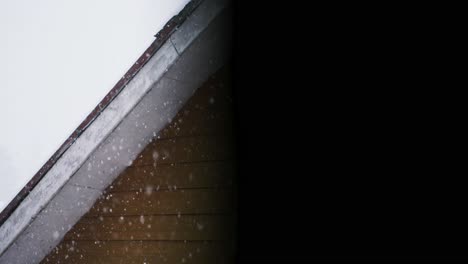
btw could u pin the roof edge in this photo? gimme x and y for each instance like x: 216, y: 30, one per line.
x: 161, y: 37
x: 193, y: 51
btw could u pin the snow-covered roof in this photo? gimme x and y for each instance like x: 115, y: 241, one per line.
x: 191, y: 46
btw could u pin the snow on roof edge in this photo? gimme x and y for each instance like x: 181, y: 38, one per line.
x: 161, y: 38
x: 14, y: 237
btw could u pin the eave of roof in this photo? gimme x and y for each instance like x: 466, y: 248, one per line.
x: 199, y: 47
x: 161, y: 37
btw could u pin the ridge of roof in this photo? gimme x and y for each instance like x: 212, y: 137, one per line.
x: 161, y: 37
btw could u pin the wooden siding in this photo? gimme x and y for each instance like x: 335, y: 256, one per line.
x: 176, y: 202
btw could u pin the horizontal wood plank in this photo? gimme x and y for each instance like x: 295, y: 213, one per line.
x: 197, y: 258
x: 141, y: 252
x: 160, y: 227
x: 193, y: 175
x: 137, y: 247
x: 190, y: 201
x: 189, y: 149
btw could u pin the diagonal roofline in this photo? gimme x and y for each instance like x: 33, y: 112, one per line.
x: 131, y: 118
x: 161, y: 37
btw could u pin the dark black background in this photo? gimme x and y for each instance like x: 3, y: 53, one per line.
x: 348, y: 133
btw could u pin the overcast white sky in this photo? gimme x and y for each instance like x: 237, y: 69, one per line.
x: 58, y: 59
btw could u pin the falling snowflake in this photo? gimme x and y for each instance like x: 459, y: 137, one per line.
x: 148, y: 190
x: 155, y: 155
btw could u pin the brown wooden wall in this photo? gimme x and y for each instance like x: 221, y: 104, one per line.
x: 176, y: 202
